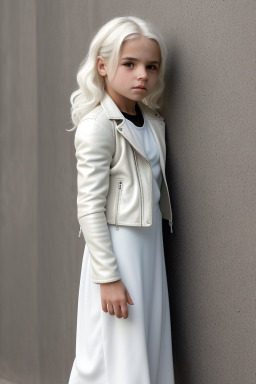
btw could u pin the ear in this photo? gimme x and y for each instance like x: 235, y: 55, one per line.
x: 101, y: 66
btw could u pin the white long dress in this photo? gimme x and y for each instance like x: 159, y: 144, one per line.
x: 136, y: 350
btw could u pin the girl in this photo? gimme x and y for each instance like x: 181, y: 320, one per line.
x: 123, y: 319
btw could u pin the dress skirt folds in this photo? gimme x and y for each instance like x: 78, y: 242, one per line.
x: 136, y: 350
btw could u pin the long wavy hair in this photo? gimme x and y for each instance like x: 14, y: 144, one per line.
x: 108, y: 43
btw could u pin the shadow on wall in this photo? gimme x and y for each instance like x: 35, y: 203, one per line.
x: 173, y: 242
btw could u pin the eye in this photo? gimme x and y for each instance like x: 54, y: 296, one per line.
x: 129, y: 65
x: 154, y: 67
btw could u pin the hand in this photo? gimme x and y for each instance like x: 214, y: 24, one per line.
x: 116, y: 296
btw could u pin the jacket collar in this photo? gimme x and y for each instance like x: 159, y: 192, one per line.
x: 154, y: 119
x: 113, y: 112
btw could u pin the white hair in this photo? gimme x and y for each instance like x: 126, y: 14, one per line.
x: 108, y: 43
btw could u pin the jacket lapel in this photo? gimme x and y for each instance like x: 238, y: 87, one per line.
x: 153, y: 119
x: 159, y: 134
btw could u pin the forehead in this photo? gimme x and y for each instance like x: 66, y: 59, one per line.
x: 141, y: 48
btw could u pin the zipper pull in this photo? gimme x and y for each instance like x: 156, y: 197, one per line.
x: 170, y: 224
x: 120, y: 183
x: 79, y: 233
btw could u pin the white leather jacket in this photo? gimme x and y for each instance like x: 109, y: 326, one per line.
x: 114, y: 180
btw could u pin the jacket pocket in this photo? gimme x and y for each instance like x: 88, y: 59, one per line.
x: 118, y: 200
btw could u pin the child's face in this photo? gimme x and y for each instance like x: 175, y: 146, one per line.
x: 138, y: 65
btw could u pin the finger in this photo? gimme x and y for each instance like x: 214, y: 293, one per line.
x: 129, y: 299
x: 110, y: 309
x: 124, y: 310
x: 104, y: 306
x: 118, y: 311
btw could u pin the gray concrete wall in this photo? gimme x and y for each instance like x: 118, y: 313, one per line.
x: 210, y: 114
x: 19, y: 253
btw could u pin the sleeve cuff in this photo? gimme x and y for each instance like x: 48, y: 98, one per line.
x: 103, y: 261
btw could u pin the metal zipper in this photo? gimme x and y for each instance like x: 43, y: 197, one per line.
x: 170, y: 221
x: 119, y: 189
x: 170, y: 224
x: 137, y: 169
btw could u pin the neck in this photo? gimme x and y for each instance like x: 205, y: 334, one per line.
x: 124, y: 104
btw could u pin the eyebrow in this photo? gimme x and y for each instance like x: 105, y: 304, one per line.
x: 134, y: 59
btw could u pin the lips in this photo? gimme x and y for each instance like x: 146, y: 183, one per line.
x: 140, y: 87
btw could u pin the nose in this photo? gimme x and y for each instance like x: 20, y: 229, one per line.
x: 142, y: 73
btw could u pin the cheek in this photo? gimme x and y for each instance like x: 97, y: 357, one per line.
x: 121, y: 76
x: 155, y: 77
x: 125, y: 75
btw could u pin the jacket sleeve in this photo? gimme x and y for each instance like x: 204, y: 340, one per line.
x: 95, y: 146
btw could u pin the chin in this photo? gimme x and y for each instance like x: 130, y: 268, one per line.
x: 138, y: 97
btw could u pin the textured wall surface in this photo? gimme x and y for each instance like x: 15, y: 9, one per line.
x: 209, y: 107
x: 19, y: 333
